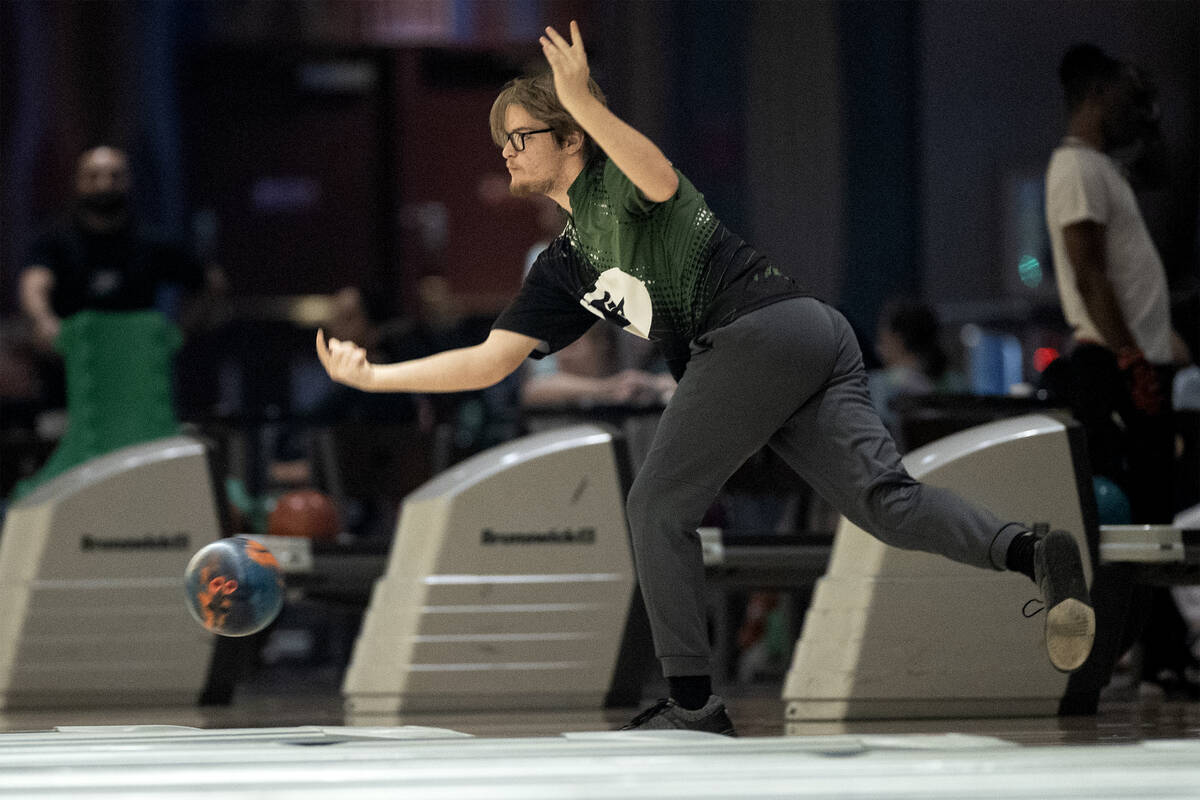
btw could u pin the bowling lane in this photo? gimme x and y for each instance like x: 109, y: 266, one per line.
x: 409, y: 761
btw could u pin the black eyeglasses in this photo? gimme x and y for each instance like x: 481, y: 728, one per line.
x: 517, y: 138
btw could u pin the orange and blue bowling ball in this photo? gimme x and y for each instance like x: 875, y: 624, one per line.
x: 234, y: 586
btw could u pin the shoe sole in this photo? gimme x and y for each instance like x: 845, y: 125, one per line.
x: 1070, y: 631
x: 1070, y: 619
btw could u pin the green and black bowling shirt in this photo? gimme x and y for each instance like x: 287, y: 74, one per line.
x: 667, y: 272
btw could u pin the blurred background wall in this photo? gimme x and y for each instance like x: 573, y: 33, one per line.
x: 873, y: 148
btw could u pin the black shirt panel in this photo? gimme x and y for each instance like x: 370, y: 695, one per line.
x: 548, y: 306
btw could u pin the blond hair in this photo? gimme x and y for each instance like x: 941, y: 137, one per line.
x: 537, y: 96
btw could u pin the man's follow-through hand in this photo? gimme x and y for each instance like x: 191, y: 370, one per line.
x: 345, y: 362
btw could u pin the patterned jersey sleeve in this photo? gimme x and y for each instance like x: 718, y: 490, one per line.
x: 625, y: 195
x: 546, y: 309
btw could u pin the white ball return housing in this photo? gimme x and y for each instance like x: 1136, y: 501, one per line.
x: 899, y: 634
x: 508, y: 585
x: 91, y: 582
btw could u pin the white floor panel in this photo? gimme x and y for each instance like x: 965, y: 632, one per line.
x: 167, y: 762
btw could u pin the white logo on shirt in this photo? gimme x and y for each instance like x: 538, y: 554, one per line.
x: 623, y: 299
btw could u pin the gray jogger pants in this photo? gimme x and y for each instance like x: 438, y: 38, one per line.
x: 790, y: 376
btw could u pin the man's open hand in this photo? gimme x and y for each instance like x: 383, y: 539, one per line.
x: 568, y: 60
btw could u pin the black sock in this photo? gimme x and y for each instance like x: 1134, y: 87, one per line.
x: 690, y: 691
x: 1019, y: 557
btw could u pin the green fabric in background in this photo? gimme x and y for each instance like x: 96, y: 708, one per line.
x: 118, y: 367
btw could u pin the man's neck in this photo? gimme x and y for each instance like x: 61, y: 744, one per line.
x: 559, y: 194
x: 1086, y: 128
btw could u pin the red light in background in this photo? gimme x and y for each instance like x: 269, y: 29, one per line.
x: 1044, y: 357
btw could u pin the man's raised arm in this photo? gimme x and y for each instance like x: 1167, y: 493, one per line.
x: 634, y: 154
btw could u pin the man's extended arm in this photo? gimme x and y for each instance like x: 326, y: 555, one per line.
x: 460, y: 370
x: 634, y: 154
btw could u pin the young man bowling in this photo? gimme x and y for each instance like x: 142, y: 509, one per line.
x: 759, y: 362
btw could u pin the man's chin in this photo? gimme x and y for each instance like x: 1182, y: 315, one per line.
x: 526, y: 189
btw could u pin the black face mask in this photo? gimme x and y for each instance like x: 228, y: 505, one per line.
x: 109, y: 203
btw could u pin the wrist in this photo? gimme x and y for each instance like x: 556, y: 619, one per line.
x: 370, y: 380
x: 577, y: 103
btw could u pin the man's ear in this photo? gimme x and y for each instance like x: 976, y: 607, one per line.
x: 573, y: 142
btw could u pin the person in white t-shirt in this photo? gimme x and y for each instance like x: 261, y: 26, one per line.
x: 1113, y: 290
x: 1111, y: 281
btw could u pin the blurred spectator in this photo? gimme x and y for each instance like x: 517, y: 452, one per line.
x: 586, y: 374
x: 372, y: 448
x: 368, y: 445
x: 362, y: 316
x: 99, y: 258
x: 87, y: 286
x: 1117, y: 377
x: 1111, y: 282
x: 465, y: 422
x: 908, y: 342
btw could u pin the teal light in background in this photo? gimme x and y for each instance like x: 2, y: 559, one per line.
x: 1030, y: 270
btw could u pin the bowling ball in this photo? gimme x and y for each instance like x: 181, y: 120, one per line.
x: 1112, y: 506
x: 234, y: 586
x: 305, y: 512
